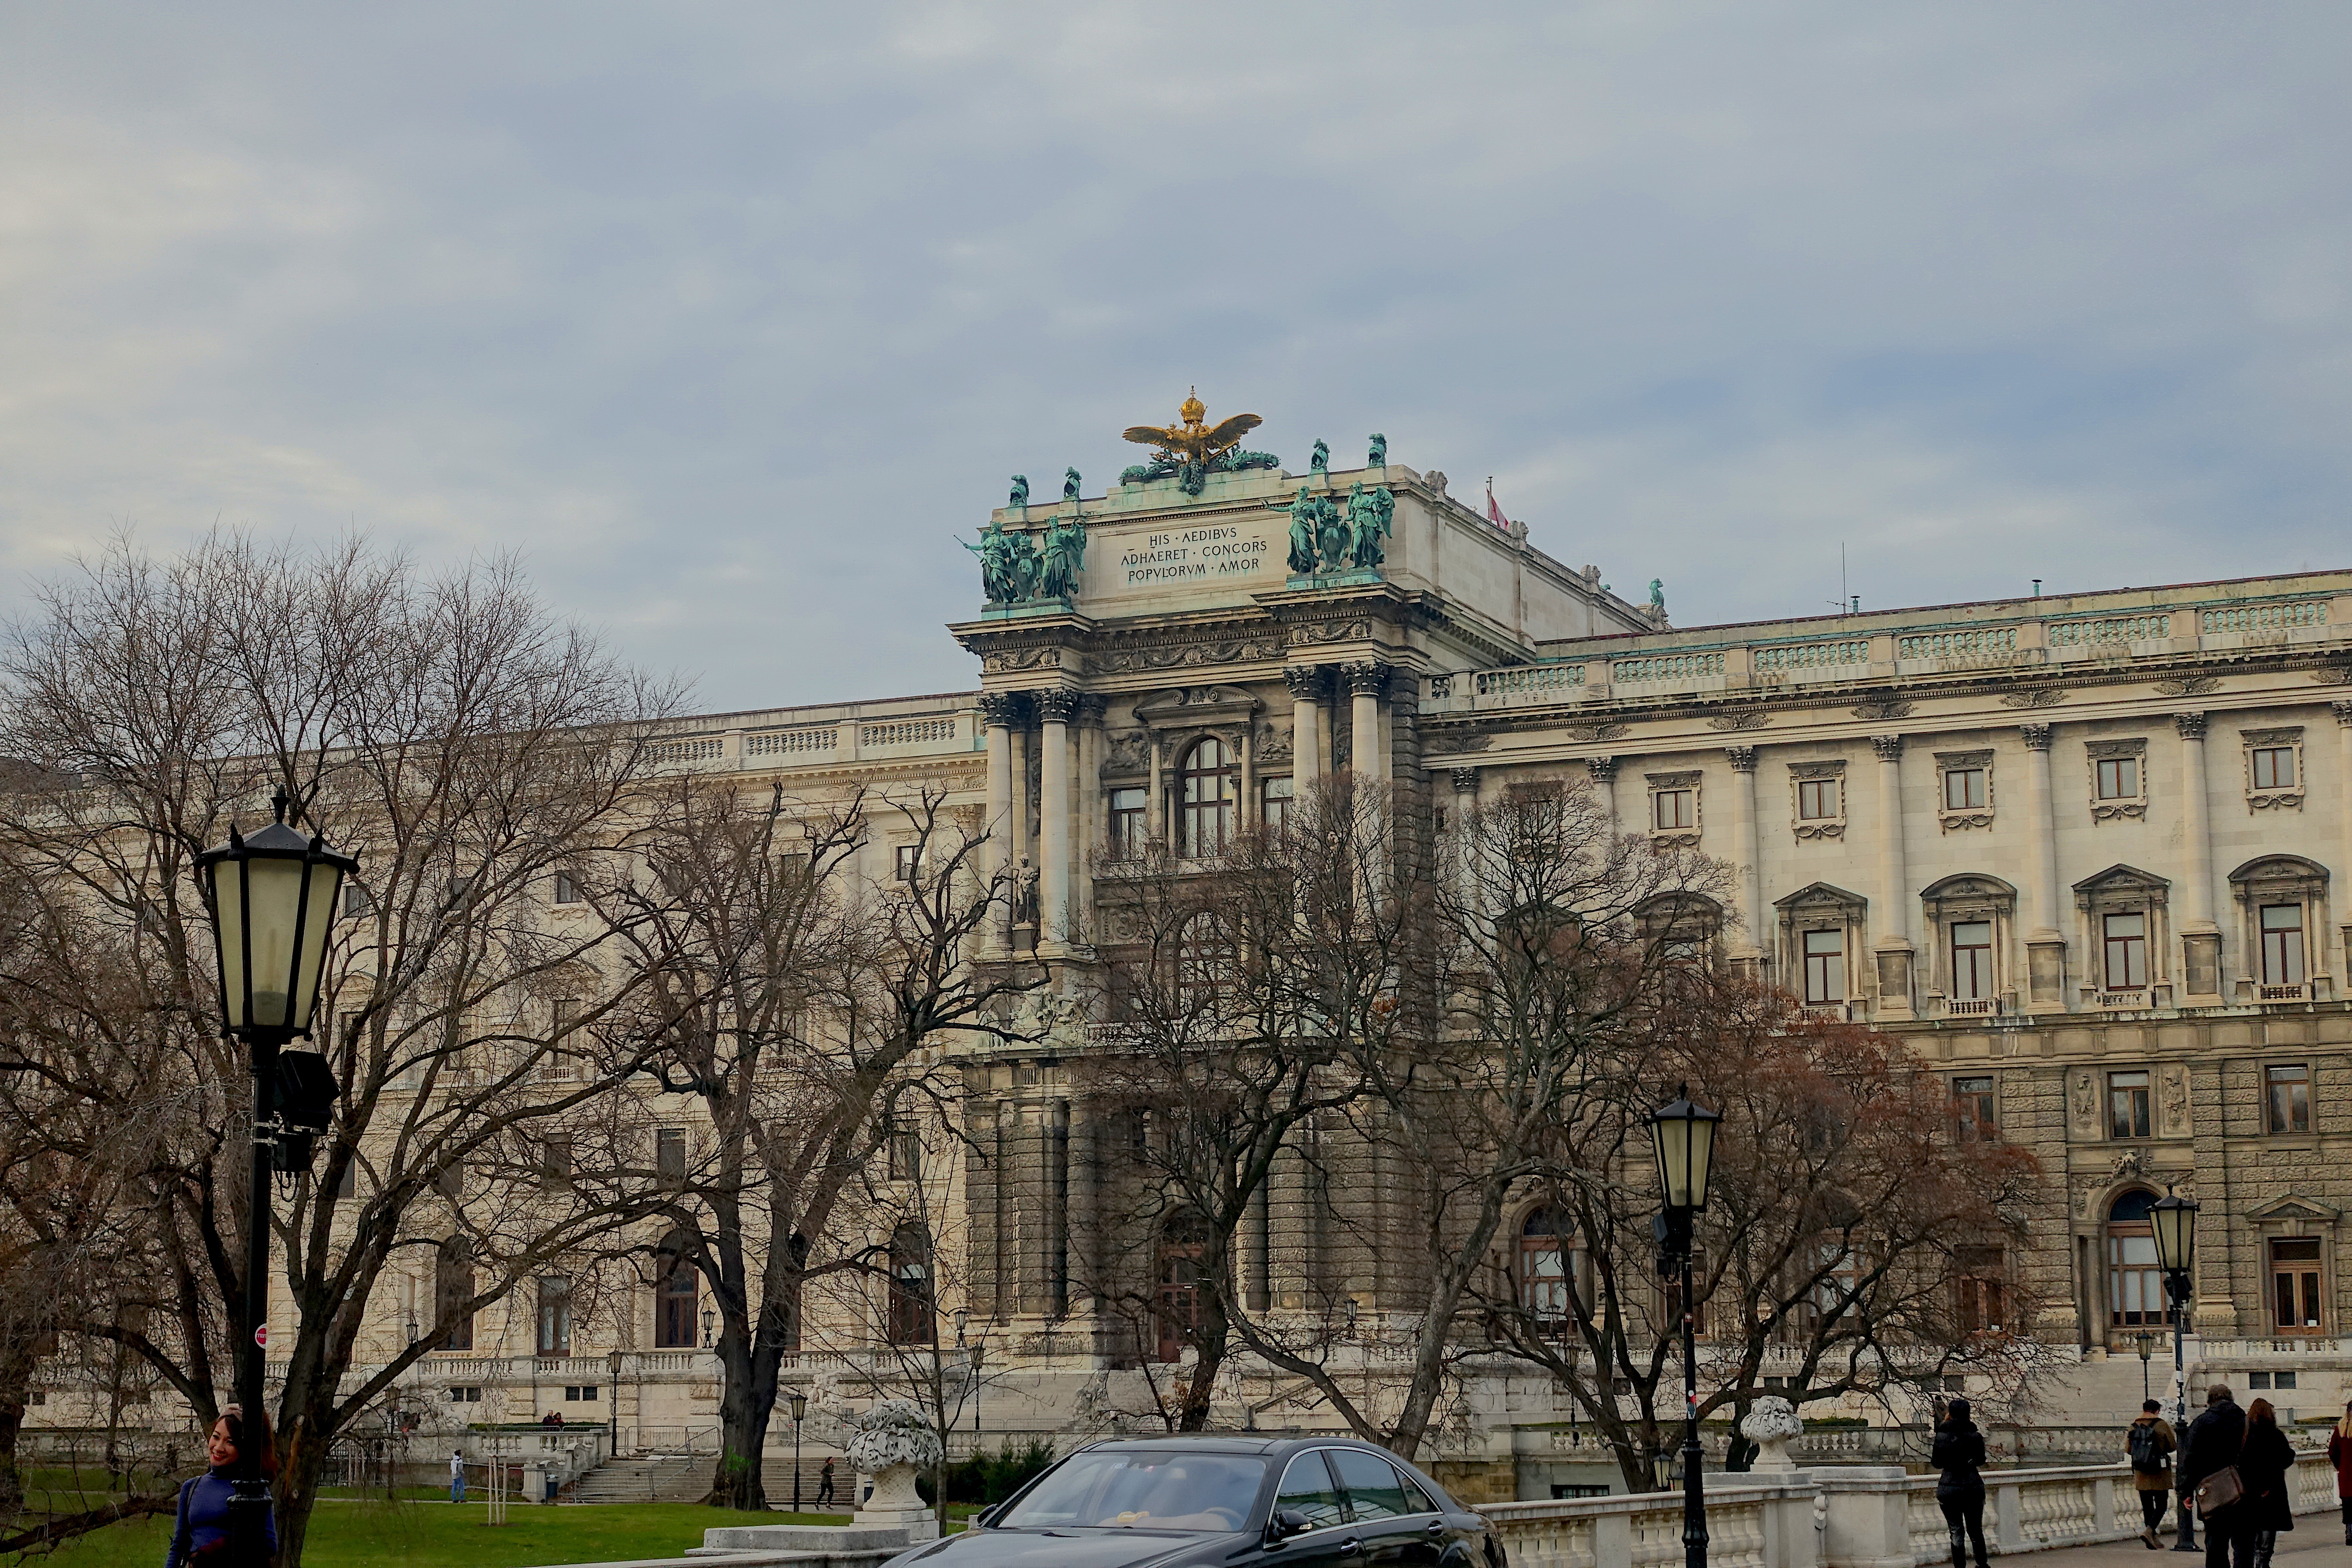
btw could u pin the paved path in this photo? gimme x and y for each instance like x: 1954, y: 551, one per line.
x: 2316, y: 1541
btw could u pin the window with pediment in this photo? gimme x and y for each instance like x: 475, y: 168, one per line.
x: 2126, y: 936
x: 2282, y: 903
x: 1820, y: 937
x: 1681, y: 928
x: 1971, y: 918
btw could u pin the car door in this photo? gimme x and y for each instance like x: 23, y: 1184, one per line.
x: 1329, y: 1540
x: 1382, y: 1513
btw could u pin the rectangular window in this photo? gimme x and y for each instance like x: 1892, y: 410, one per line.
x: 555, y: 1317
x: 1824, y: 966
x: 905, y: 1152
x: 1971, y: 960
x: 355, y: 898
x: 2135, y: 1284
x: 2125, y: 939
x: 1982, y: 1302
x: 1964, y: 789
x: 1279, y: 796
x: 1673, y: 808
x: 555, y: 1161
x: 1817, y: 799
x: 2296, y: 1304
x: 2290, y: 1097
x: 2258, y: 1380
x: 1126, y: 815
x: 567, y: 890
x: 563, y: 1046
x: 2273, y: 767
x: 1974, y: 1096
x: 669, y: 1156
x: 2282, y: 927
x: 2118, y: 778
x: 2127, y: 1105
x: 909, y: 862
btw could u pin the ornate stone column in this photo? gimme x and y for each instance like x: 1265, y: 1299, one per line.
x: 1000, y: 711
x: 1306, y: 683
x: 2201, y: 937
x: 1092, y: 827
x: 1155, y: 802
x: 1604, y: 784
x: 1366, y: 683
x: 1055, y: 707
x: 1748, y: 948
x: 2045, y: 943
x: 1894, y: 917
x: 1464, y: 848
x: 2343, y: 900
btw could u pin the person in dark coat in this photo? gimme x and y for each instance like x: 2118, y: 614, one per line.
x: 1958, y: 1456
x: 2339, y: 1454
x: 2264, y: 1466
x: 2210, y: 1444
x: 200, y: 1528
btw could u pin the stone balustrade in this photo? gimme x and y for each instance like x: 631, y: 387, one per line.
x: 1843, y: 1517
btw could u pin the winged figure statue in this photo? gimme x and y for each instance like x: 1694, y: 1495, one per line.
x: 1195, y: 449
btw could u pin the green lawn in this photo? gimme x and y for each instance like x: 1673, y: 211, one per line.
x: 390, y: 1535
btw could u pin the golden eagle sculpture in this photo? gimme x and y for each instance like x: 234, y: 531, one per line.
x: 1193, y: 450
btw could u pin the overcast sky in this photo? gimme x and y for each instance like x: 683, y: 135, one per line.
x: 730, y: 317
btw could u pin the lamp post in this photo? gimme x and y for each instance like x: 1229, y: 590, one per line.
x: 798, y: 1403
x: 1662, y: 1471
x: 2173, y: 1218
x: 978, y: 1345
x: 1681, y: 1135
x: 272, y: 898
x: 709, y: 1317
x: 2146, y: 1342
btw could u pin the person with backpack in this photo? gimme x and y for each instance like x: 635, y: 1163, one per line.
x: 1958, y: 1456
x: 2149, y: 1442
x: 2264, y: 1466
x: 201, y: 1526
x: 2339, y: 1454
x: 2210, y: 1447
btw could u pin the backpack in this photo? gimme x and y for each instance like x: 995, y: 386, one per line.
x: 2146, y: 1457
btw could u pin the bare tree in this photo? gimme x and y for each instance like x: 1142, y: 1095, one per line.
x: 470, y: 749
x: 802, y: 1002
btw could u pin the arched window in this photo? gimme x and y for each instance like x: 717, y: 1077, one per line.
x: 1182, y: 1242
x: 2135, y: 1284
x: 1211, y: 786
x: 1543, y: 1273
x: 675, y: 1287
x: 452, y: 1287
x: 912, y: 1319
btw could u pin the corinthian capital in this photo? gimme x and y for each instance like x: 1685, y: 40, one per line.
x: 1055, y: 704
x: 2190, y: 725
x: 1000, y: 710
x: 1304, y: 681
x: 1889, y: 747
x: 1366, y: 680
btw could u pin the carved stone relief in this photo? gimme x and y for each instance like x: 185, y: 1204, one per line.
x: 1455, y: 742
x: 2172, y: 1101
x: 1308, y: 633
x: 1128, y: 751
x: 1272, y: 742
x: 1743, y: 720
x: 1195, y: 656
x: 1884, y: 708
x: 2035, y: 697
x: 1015, y: 658
x: 2082, y: 1105
x: 1590, y: 732
x: 2189, y: 685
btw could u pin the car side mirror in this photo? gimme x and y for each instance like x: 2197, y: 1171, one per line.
x: 986, y: 1517
x: 1285, y: 1524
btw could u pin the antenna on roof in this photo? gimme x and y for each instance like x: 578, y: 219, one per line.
x: 1841, y: 600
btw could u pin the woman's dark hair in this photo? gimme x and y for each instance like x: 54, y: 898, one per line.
x: 2261, y: 1414
x: 1956, y: 1413
x: 233, y: 1416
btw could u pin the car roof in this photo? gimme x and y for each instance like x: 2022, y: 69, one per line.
x: 1230, y: 1443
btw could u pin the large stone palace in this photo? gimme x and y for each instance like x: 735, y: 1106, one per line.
x: 2077, y: 850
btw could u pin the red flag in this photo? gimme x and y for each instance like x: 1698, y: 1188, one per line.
x: 1495, y: 513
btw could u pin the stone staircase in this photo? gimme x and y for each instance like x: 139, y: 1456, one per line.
x: 665, y: 1477
x: 776, y: 1475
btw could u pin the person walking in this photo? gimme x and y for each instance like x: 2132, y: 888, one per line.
x: 2339, y: 1454
x: 824, y: 1484
x: 1958, y: 1456
x: 457, y: 1476
x: 2210, y: 1445
x: 201, y: 1529
x: 2268, y: 1506
x: 2149, y: 1443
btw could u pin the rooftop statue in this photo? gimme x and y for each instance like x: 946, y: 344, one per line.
x: 1061, y: 556
x: 1195, y: 449
x: 1070, y: 484
x: 1368, y: 521
x: 1321, y: 463
x: 1658, y: 597
x: 1020, y: 490
x: 1378, y: 457
x: 1319, y: 539
x: 1008, y: 564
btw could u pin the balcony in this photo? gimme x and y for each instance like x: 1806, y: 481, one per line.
x: 2296, y: 993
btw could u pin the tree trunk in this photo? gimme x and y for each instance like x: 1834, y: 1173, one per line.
x: 1200, y: 1389
x: 746, y: 1403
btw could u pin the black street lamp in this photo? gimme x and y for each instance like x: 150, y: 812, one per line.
x: 2146, y: 1342
x: 709, y: 1319
x: 2173, y: 1218
x: 978, y: 1345
x: 798, y: 1404
x: 272, y: 897
x: 1682, y: 1135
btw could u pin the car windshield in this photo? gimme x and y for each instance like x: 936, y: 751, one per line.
x: 1140, y: 1489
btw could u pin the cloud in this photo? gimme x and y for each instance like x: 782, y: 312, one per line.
x: 730, y: 316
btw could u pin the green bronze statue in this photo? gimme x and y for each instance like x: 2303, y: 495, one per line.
x: 1380, y: 453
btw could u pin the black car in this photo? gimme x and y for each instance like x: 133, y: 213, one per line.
x: 1178, y: 1502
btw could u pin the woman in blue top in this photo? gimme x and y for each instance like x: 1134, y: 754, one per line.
x: 202, y: 1528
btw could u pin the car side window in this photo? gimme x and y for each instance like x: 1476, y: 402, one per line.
x: 1374, y: 1489
x: 1416, y: 1499
x: 1306, y: 1486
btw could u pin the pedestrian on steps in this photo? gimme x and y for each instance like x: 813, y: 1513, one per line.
x: 2339, y: 1454
x: 2263, y: 1466
x: 824, y: 1485
x: 2149, y: 1443
x: 2210, y: 1447
x: 1958, y: 1456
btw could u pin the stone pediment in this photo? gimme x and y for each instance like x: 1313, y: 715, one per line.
x: 1821, y: 895
x: 1188, y: 707
x: 2292, y: 1206
x: 2120, y: 877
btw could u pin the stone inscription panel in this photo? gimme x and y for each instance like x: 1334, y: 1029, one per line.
x: 1214, y: 558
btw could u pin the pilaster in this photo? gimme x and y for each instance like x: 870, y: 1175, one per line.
x: 2045, y: 944
x: 2201, y: 937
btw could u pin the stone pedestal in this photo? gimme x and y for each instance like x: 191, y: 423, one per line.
x: 896, y: 1505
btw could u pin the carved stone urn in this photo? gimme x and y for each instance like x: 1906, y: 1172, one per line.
x: 1772, y: 1424
x: 894, y: 1444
